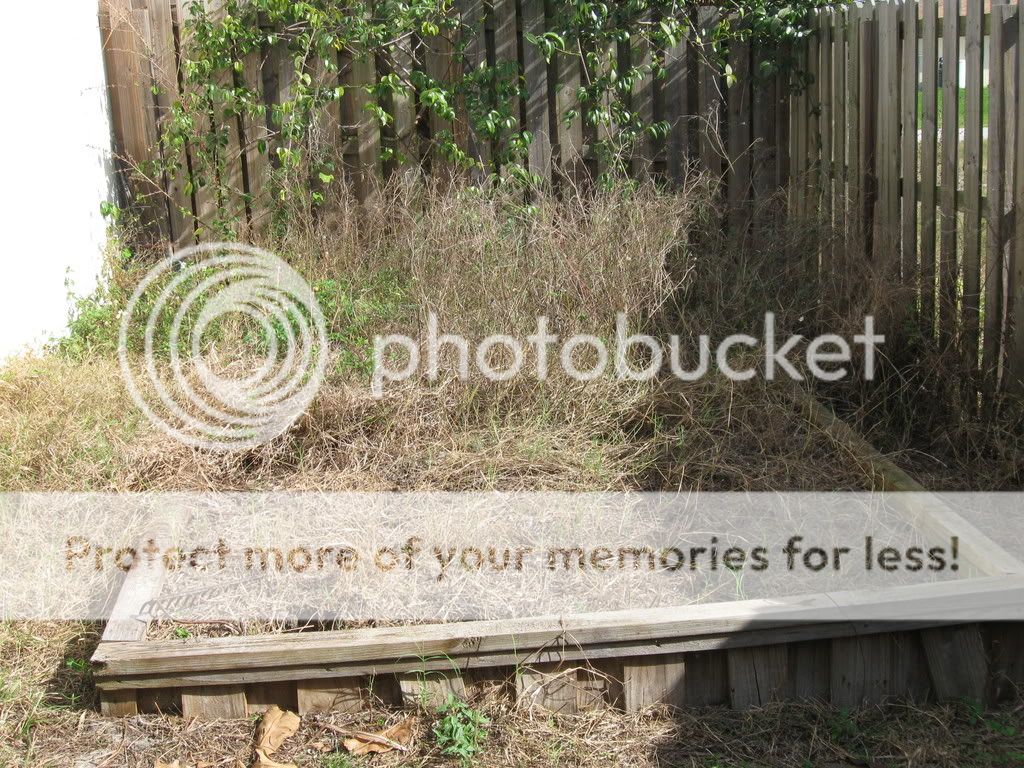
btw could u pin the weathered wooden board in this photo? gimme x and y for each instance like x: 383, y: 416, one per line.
x: 430, y: 690
x: 552, y: 687
x: 652, y: 680
x: 224, y: 702
x: 341, y: 695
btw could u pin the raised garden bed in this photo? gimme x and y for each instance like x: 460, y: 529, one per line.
x: 743, y: 653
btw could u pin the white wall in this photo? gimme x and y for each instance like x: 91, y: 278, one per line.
x: 55, y: 139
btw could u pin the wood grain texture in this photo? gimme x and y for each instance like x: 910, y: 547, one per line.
x: 259, y: 697
x: 431, y: 689
x: 615, y: 634
x: 971, y: 302
x: 118, y: 704
x: 957, y: 662
x: 758, y: 676
x: 654, y: 680
x: 550, y: 687
x: 810, y: 670
x: 226, y: 702
x: 1015, y: 291
x: 908, y: 146
x: 929, y: 160
x: 347, y: 695
x: 948, y: 271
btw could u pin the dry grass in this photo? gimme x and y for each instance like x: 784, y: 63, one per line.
x: 483, y: 265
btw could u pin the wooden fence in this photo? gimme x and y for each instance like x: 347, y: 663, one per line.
x: 864, y: 147
x: 925, y: 173
x: 732, y: 131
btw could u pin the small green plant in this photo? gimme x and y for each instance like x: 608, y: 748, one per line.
x: 977, y: 715
x: 182, y: 633
x: 77, y: 665
x: 842, y: 728
x: 460, y: 731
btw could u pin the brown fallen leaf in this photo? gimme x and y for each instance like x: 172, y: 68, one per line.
x: 275, y: 728
x: 396, y: 738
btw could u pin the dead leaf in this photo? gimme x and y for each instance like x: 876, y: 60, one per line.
x: 276, y: 727
x: 396, y: 738
x: 262, y: 761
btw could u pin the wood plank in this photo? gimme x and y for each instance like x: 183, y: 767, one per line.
x: 869, y: 87
x: 854, y: 206
x: 971, y: 307
x: 506, y: 49
x: 347, y: 695
x: 810, y: 665
x: 739, y: 138
x: 164, y: 62
x: 826, y: 120
x: 570, y: 134
x: 618, y: 633
x: 225, y: 702
x: 909, y: 676
x: 118, y: 704
x: 654, y: 680
x: 765, y: 137
x: 159, y: 701
x: 549, y: 687
x: 839, y: 100
x: 133, y: 112
x: 948, y: 271
x: 1006, y: 651
x: 442, y: 68
x: 908, y: 149
x: 929, y: 158
x: 709, y: 100
x: 957, y: 662
x: 129, y: 618
x: 399, y: 139
x: 676, y: 104
x: 758, y: 676
x: 782, y: 133
x: 203, y: 178
x: 643, y: 106
x: 993, y: 278
x: 707, y: 679
x: 887, y: 164
x: 861, y: 670
x: 259, y: 697
x: 812, y: 163
x: 535, y: 69
x: 256, y: 144
x: 1015, y: 345
x: 474, y: 18
x: 365, y: 161
x: 601, y: 686
x: 431, y: 689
